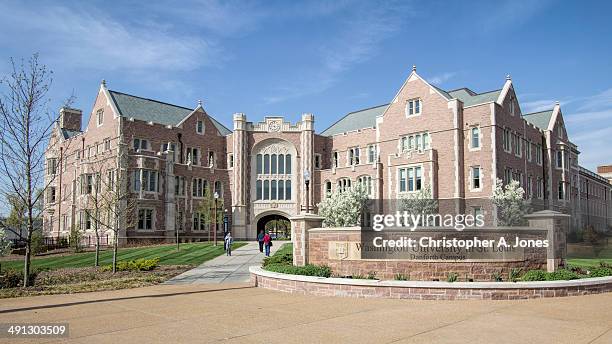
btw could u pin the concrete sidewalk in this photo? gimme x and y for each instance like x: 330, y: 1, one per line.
x: 225, y: 269
x: 239, y: 313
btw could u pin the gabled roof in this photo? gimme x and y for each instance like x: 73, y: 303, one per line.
x: 150, y: 110
x: 69, y: 133
x: 539, y: 119
x: 469, y: 97
x: 365, y: 118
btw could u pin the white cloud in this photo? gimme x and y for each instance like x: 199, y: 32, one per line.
x: 598, y: 101
x: 537, y: 105
x: 89, y: 38
x: 361, y: 34
x: 441, y: 78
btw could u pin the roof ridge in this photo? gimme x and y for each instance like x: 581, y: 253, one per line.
x: 537, y: 112
x: 467, y: 89
x: 153, y: 100
x: 497, y: 90
x: 370, y: 108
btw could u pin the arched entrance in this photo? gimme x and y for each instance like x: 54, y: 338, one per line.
x: 277, y: 225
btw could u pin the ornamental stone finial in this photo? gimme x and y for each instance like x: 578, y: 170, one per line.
x: 508, y: 77
x: 199, y: 102
x: 414, y: 68
x: 103, y: 83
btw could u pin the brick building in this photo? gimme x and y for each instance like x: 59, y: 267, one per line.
x: 457, y: 142
x: 605, y: 171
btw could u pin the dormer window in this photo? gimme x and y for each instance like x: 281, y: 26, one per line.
x: 200, y: 127
x: 100, y: 117
x: 413, y: 107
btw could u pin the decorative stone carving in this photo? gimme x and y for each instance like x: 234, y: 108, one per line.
x: 274, y: 126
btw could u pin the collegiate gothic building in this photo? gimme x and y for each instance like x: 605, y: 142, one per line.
x: 168, y: 160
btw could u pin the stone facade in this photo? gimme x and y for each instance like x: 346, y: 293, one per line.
x: 457, y: 142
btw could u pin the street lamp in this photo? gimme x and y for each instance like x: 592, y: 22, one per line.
x: 307, y: 181
x: 225, y: 223
x: 215, y: 233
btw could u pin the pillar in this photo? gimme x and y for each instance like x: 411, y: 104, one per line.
x: 300, y: 225
x: 240, y: 185
x: 556, y: 225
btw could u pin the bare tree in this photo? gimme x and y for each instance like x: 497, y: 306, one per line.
x: 205, y: 211
x: 109, y: 200
x: 25, y: 129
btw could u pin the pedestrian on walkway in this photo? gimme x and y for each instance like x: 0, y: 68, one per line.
x: 260, y: 240
x: 228, y: 243
x: 267, y: 243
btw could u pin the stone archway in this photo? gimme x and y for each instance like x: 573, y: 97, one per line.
x: 276, y: 224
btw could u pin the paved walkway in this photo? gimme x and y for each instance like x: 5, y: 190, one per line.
x: 225, y: 269
x: 239, y: 313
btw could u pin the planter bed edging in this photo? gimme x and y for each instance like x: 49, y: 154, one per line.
x: 426, y: 289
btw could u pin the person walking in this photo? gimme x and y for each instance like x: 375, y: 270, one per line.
x: 228, y: 243
x: 260, y: 240
x: 267, y: 243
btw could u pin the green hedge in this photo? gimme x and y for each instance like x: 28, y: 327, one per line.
x: 600, y: 272
x: 134, y: 265
x: 284, y: 255
x: 306, y: 270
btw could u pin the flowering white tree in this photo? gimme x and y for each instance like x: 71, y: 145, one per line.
x: 5, y: 246
x: 420, y: 202
x: 344, y: 208
x: 510, y: 202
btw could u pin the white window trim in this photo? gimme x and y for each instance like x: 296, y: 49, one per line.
x: 203, y: 127
x: 407, y: 107
x: 314, y: 162
x: 472, y: 188
x: 509, y: 134
x: 98, y: 123
x: 474, y: 149
x: 153, y: 214
x: 397, y: 188
x: 230, y: 161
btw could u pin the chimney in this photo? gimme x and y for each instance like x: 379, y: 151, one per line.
x: 70, y: 119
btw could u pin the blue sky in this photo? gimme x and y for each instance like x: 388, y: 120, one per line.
x: 327, y: 58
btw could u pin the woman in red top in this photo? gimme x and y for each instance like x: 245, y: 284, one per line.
x: 267, y: 243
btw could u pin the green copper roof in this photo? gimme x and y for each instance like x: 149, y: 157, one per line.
x: 469, y: 98
x: 539, y: 119
x: 150, y: 110
x: 365, y: 118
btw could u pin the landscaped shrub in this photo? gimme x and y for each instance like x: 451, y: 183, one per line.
x: 134, y: 265
x: 11, y: 278
x: 402, y: 277
x: 534, y: 275
x: 306, y: 270
x: 514, y: 274
x: 561, y: 275
x: 600, y: 272
x: 452, y: 277
x: 284, y: 255
x: 37, y: 245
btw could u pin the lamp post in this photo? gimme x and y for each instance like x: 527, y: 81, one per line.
x: 307, y: 182
x: 215, y: 232
x: 225, y: 223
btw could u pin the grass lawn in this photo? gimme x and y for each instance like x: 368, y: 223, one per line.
x: 189, y: 254
x: 592, y: 260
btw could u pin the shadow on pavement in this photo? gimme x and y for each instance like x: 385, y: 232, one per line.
x: 4, y: 311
